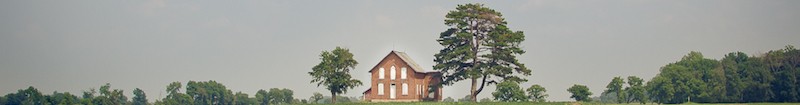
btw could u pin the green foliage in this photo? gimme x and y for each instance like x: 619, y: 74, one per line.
x: 770, y: 77
x: 275, y: 96
x: 262, y: 96
x: 636, y: 91
x: 109, y: 97
x: 316, y: 97
x: 615, y: 86
x: 465, y: 99
x: 32, y: 96
x: 334, y: 71
x: 448, y: 99
x: 580, y: 93
x: 340, y: 99
x: 244, y: 99
x: 486, y: 99
x: 208, y: 93
x: 478, y: 45
x: 140, y: 98
x: 509, y: 92
x: 536, y: 93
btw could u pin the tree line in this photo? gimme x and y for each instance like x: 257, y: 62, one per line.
x: 32, y: 96
x: 196, y: 93
x: 736, y: 78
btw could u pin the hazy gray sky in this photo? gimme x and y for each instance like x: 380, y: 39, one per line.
x: 70, y: 46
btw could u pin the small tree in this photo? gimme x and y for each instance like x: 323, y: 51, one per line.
x: 580, y: 93
x: 509, y: 91
x: 486, y: 99
x: 140, y: 98
x: 537, y: 93
x: 465, y: 99
x: 316, y: 97
x: 448, y: 99
x: 334, y: 71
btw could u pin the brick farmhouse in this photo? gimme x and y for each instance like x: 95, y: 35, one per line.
x: 397, y: 78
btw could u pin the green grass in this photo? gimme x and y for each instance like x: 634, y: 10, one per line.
x: 459, y: 103
x: 543, y: 103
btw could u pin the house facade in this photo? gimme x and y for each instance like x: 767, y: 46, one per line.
x: 397, y: 78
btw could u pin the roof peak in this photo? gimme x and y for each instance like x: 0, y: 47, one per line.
x: 406, y: 59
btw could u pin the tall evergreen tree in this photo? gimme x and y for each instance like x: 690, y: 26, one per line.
x: 478, y: 47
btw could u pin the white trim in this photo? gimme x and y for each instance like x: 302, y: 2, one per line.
x: 403, y: 73
x: 393, y: 73
x: 405, y: 88
x: 380, y: 88
x: 381, y: 75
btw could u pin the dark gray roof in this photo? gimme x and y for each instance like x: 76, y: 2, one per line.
x: 410, y: 62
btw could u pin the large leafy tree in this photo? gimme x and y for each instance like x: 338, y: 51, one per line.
x: 615, y: 86
x: 536, y: 93
x: 580, y: 93
x: 478, y: 46
x: 509, y: 91
x: 334, y: 71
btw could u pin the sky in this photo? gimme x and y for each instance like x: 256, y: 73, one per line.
x: 72, y: 46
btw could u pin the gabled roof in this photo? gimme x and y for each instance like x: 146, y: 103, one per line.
x: 405, y: 59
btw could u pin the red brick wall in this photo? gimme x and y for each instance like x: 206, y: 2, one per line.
x: 412, y: 80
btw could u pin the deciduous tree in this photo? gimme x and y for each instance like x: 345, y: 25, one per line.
x: 509, y: 91
x: 580, y: 93
x: 537, y: 93
x: 615, y: 86
x: 334, y: 71
x: 636, y: 90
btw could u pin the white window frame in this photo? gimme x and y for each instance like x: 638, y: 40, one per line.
x: 381, y: 75
x: 405, y: 88
x: 403, y: 73
x: 393, y: 73
x: 380, y: 88
x: 416, y: 88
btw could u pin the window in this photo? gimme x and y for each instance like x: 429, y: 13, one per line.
x: 380, y: 73
x: 380, y: 88
x: 405, y: 88
x: 416, y: 88
x: 403, y: 73
x: 419, y: 91
x: 392, y: 73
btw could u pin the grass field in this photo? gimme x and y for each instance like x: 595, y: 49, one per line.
x: 550, y: 103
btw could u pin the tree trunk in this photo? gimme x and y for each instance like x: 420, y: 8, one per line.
x: 333, y: 97
x: 472, y: 94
